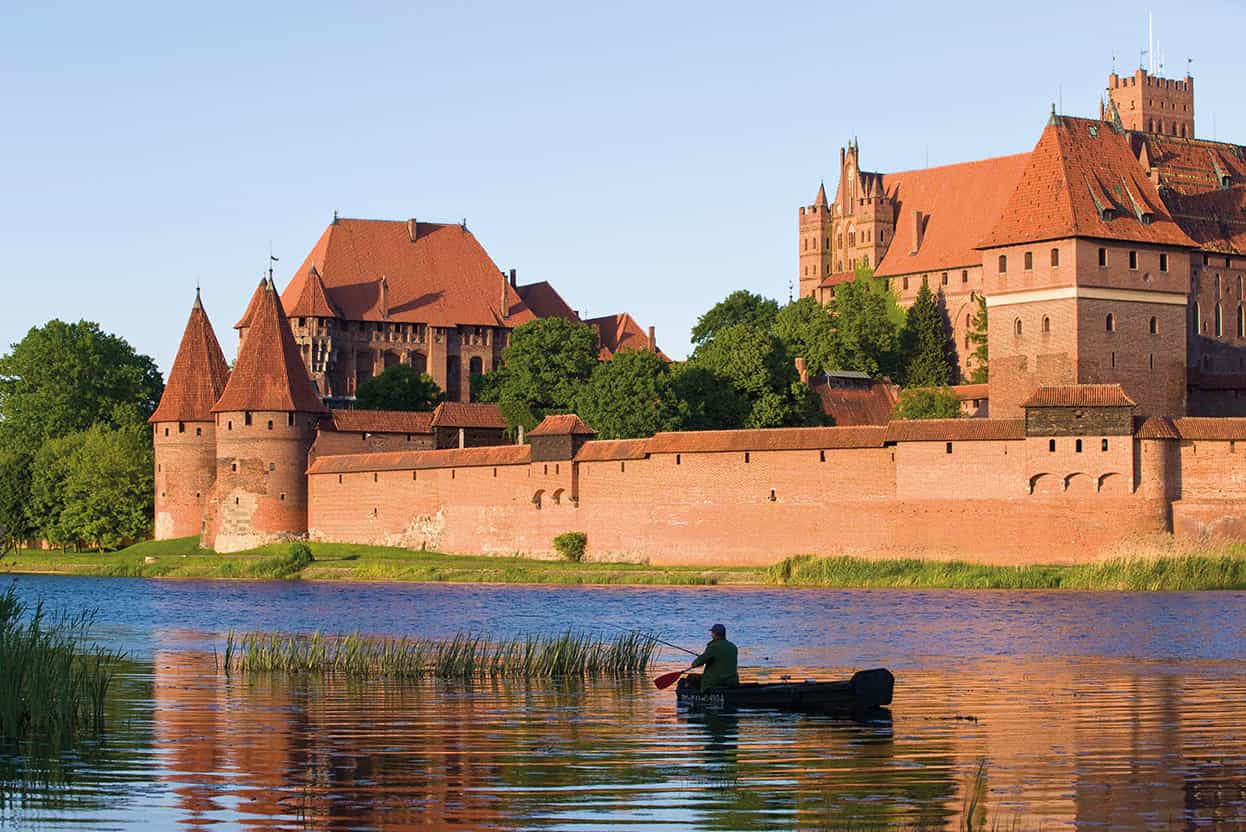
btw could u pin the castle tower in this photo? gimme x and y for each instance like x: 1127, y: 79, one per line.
x: 266, y: 421
x: 815, y: 243
x: 1150, y: 104
x: 183, y: 431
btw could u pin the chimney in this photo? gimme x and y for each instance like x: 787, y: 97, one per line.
x: 512, y: 277
x: 653, y: 343
x: 802, y: 369
x: 384, y: 297
x: 918, y: 223
x: 462, y: 438
x: 413, y: 229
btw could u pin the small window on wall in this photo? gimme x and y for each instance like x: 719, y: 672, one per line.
x: 1154, y: 325
x: 945, y: 278
x: 290, y: 419
x: 1016, y: 327
x: 1029, y: 261
x: 1103, y: 257
x: 270, y: 424
x: 1241, y: 322
x: 1055, y: 257
x: 1051, y: 446
x: 1219, y: 322
x: 1163, y: 262
x: 1198, y: 318
x: 948, y: 448
x: 1133, y: 261
x: 964, y: 276
x: 1110, y: 323
x: 198, y: 431
x: 1077, y: 446
x: 1104, y: 447
x: 1003, y: 264
x: 1046, y: 324
x: 181, y: 427
x: 246, y: 418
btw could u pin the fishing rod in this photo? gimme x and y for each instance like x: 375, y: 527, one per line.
x: 658, y: 640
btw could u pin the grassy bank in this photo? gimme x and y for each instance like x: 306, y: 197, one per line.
x: 1219, y: 568
x: 182, y: 558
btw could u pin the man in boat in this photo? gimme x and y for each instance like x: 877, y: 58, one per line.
x: 719, y: 661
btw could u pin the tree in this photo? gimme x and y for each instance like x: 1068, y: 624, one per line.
x: 980, y: 374
x: 760, y: 369
x: 805, y: 328
x: 108, y: 491
x: 62, y: 378
x: 543, y: 369
x: 708, y: 401
x: 740, y: 307
x: 927, y: 403
x: 866, y: 337
x: 49, y: 471
x: 399, y: 388
x: 631, y: 395
x: 15, y: 493
x: 927, y: 347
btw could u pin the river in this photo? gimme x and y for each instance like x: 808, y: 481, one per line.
x: 1058, y: 710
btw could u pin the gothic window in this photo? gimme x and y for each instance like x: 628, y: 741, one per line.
x: 1016, y: 327
x: 1046, y: 324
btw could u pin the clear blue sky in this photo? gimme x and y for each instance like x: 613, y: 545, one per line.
x: 646, y: 158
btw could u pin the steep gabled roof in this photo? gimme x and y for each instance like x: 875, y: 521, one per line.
x: 269, y: 373
x: 1080, y: 395
x: 313, y: 301
x: 544, y: 301
x: 380, y: 421
x: 562, y: 424
x: 199, y: 373
x: 1203, y: 184
x: 1084, y: 180
x: 468, y: 415
x: 621, y: 332
x: 959, y: 204
x: 443, y: 277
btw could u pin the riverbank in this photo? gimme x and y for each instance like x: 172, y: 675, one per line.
x: 1163, y: 569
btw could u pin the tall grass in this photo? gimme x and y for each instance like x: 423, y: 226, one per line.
x: 463, y: 657
x: 1184, y: 573
x: 52, y: 683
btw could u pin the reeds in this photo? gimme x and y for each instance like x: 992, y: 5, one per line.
x: 53, y: 684
x: 464, y: 657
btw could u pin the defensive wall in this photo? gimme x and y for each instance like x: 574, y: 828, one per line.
x: 1001, y: 491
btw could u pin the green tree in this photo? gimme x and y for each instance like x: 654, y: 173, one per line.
x: 979, y: 358
x: 632, y: 395
x: 708, y: 401
x: 399, y: 388
x: 108, y: 488
x: 542, y: 371
x: 739, y: 307
x: 63, y: 378
x: 50, y: 469
x: 15, y: 493
x: 866, y: 338
x: 926, y: 344
x: 805, y: 328
x: 927, y: 403
x: 756, y: 364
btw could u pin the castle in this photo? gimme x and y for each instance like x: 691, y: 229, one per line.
x: 1109, y: 256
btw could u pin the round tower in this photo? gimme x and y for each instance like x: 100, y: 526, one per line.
x: 265, y: 423
x: 183, y: 430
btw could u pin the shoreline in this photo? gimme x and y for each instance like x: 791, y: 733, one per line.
x: 1210, y: 567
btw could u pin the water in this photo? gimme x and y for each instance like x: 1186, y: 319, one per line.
x: 1086, y: 711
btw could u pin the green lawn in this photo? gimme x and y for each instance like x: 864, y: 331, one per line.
x: 182, y: 558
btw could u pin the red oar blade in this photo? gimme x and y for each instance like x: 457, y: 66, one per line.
x: 667, y: 679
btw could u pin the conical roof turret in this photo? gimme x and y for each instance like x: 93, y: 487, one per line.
x: 199, y: 373
x: 269, y: 373
x: 820, y: 199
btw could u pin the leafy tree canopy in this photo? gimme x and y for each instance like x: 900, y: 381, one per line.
x: 927, y: 346
x: 927, y: 403
x: 14, y: 493
x: 757, y: 365
x: 979, y: 359
x: 740, y: 307
x: 866, y: 338
x: 632, y: 395
x: 63, y: 378
x: 707, y: 400
x: 399, y: 388
x: 543, y: 369
x: 804, y: 326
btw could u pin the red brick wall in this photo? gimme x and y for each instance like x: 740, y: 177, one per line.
x: 185, y: 471
x: 332, y: 442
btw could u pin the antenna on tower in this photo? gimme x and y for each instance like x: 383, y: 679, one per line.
x: 271, y: 260
x: 1150, y: 41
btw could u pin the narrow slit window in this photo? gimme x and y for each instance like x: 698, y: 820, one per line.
x: 948, y: 449
x: 1105, y: 446
x: 1077, y: 446
x: 1051, y: 446
x: 1103, y: 257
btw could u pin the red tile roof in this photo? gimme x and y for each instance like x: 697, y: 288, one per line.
x: 468, y: 415
x: 1156, y: 427
x: 849, y: 404
x: 443, y: 278
x: 959, y: 204
x: 769, y: 439
x: 1083, y: 180
x: 269, y: 373
x: 413, y: 460
x: 608, y: 450
x: 955, y: 430
x: 969, y: 392
x: 836, y: 279
x: 562, y: 424
x: 1080, y: 395
x: 1193, y: 427
x: 198, y: 376
x: 544, y: 302
x: 380, y: 421
x: 620, y: 332
x: 313, y: 301
x: 1191, y: 174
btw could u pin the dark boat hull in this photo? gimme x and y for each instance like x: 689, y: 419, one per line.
x: 866, y: 690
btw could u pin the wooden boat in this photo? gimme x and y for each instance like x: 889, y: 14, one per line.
x: 866, y: 690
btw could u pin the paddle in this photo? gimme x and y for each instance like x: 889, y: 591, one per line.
x: 667, y: 679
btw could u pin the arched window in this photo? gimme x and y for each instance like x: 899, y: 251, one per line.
x: 1046, y: 324
x: 1016, y: 327
x: 1219, y: 322
x: 1154, y: 325
x: 1110, y: 323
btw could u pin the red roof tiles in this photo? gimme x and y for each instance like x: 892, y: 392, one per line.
x: 269, y: 373
x: 613, y: 450
x: 1156, y: 427
x: 769, y: 439
x: 561, y: 425
x: 620, y: 332
x: 198, y: 376
x: 1083, y: 180
x: 1080, y: 395
x: 412, y: 460
x: 442, y: 278
x: 969, y: 392
x: 381, y: 421
x: 851, y: 403
x: 544, y: 302
x: 468, y: 415
x: 313, y: 301
x: 955, y: 430
x: 1211, y: 428
x: 959, y: 204
x: 1203, y: 184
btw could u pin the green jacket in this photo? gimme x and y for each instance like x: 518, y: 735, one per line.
x: 719, y: 660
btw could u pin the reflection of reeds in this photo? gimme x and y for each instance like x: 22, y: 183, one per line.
x: 53, y: 685
x: 465, y: 656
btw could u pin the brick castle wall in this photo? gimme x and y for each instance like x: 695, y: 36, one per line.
x: 185, y: 471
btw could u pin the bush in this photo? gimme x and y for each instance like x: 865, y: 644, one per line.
x: 571, y: 545
x: 300, y: 556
